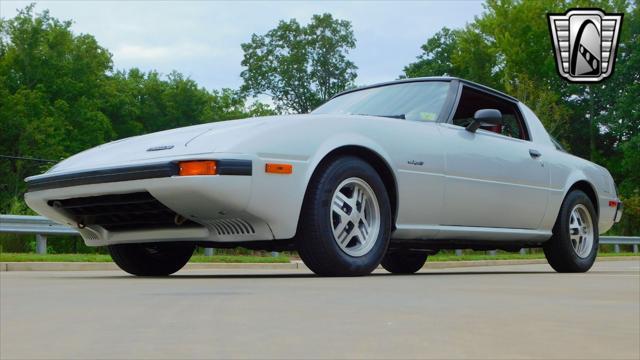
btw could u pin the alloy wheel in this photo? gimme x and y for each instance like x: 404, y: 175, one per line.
x: 581, y: 230
x: 355, y: 217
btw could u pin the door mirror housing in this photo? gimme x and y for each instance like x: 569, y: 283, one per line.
x: 485, y: 117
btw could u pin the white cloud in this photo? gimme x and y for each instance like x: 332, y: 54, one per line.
x: 136, y: 52
x: 174, y: 52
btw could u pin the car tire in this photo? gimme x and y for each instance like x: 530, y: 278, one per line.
x: 574, y: 244
x: 404, y: 262
x: 350, y: 238
x: 151, y: 259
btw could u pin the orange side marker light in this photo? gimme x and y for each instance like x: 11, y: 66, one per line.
x: 198, y: 167
x: 278, y: 168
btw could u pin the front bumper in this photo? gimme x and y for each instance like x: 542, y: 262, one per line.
x: 215, y: 206
x: 127, y: 173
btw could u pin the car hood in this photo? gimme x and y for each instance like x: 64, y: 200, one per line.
x: 175, y: 143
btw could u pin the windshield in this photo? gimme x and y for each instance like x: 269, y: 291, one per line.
x: 419, y: 101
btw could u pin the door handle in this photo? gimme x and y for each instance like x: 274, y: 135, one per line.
x: 534, y: 153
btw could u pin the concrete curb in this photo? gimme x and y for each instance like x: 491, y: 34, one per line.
x: 294, y: 265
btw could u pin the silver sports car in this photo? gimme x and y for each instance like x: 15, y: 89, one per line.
x: 385, y: 174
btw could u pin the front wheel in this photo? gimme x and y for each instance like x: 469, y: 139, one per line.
x: 574, y: 245
x: 345, y: 221
x: 151, y: 259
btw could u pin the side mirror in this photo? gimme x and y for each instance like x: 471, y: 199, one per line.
x: 485, y: 117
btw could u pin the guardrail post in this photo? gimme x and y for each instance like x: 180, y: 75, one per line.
x: 41, y: 244
x: 616, y: 248
x: 458, y: 252
x: 635, y: 248
x: 209, y: 251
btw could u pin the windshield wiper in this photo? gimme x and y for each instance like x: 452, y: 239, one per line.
x: 401, y: 116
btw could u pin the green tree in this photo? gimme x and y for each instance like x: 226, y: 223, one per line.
x: 300, y: 67
x: 50, y: 82
x: 436, y: 56
x: 229, y: 104
x: 139, y: 102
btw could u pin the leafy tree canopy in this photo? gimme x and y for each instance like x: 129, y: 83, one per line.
x: 300, y: 67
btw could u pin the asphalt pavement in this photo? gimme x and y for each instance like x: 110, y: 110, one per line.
x: 516, y: 311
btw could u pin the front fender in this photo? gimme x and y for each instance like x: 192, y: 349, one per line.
x: 278, y: 199
x: 341, y: 140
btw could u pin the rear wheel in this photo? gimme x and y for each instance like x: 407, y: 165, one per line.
x: 345, y: 221
x: 574, y: 245
x: 151, y: 259
x: 404, y: 262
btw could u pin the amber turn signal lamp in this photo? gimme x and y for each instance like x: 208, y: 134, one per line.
x: 198, y: 167
x: 278, y: 168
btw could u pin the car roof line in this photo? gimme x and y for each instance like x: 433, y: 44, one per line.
x: 428, y: 78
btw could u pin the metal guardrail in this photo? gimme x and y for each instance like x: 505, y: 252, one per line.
x: 620, y: 240
x: 616, y: 241
x: 38, y: 225
x: 41, y: 227
x: 23, y: 224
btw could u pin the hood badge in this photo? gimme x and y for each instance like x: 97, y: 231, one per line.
x: 160, y: 148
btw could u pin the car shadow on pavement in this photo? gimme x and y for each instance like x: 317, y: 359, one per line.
x: 258, y: 276
x: 305, y: 275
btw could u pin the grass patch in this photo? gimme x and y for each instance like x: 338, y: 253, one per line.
x: 30, y: 257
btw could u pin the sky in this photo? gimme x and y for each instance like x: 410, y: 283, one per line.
x: 201, y: 39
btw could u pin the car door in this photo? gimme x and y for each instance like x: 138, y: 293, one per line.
x: 495, y: 177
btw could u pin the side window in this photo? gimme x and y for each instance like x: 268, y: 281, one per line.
x: 472, y: 100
